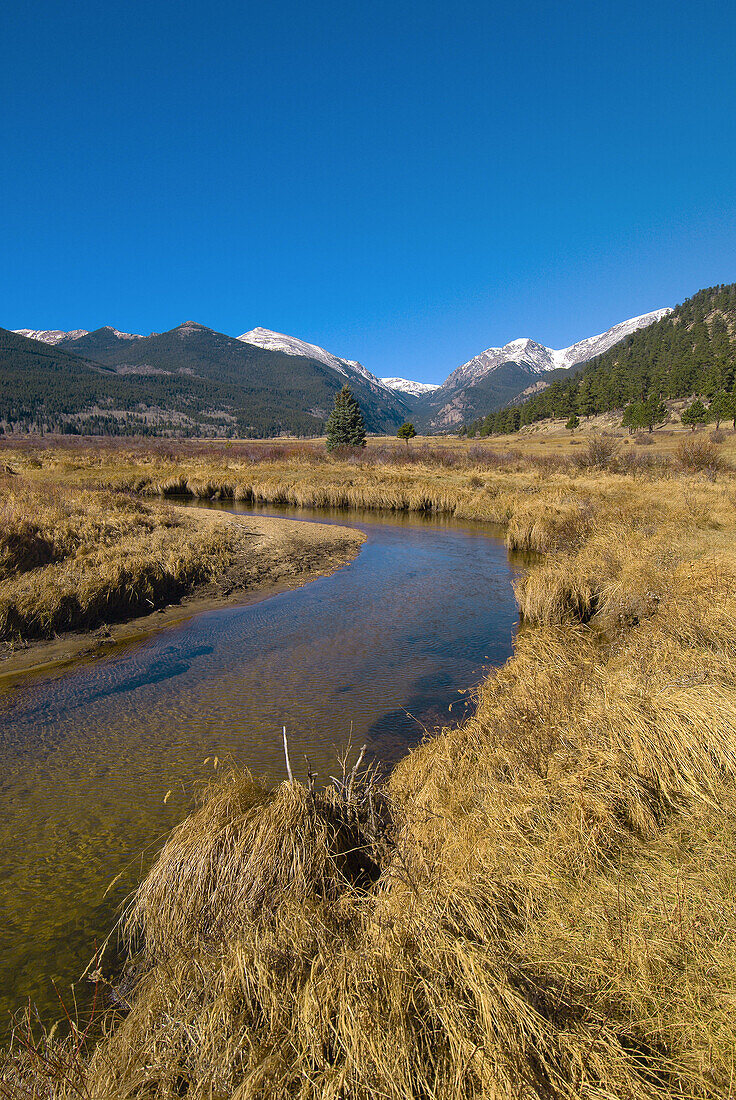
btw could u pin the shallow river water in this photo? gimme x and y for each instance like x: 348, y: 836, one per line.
x: 384, y: 648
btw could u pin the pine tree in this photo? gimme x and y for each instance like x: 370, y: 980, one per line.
x: 654, y: 411
x: 585, y: 402
x: 345, y: 425
x: 694, y: 414
x: 720, y: 408
x: 633, y: 416
x: 407, y: 431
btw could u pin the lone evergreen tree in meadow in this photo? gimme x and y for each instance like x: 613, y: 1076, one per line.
x: 345, y: 425
x: 407, y: 431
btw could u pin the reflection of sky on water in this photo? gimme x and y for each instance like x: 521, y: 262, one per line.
x: 381, y: 648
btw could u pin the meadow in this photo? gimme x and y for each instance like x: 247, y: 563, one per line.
x: 538, y: 903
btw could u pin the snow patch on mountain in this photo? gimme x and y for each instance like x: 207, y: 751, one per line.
x: 120, y: 335
x: 278, y: 341
x: 597, y: 345
x: 55, y: 335
x: 405, y: 385
x: 50, y: 335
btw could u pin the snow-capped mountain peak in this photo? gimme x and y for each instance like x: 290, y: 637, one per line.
x: 529, y: 354
x: 50, y: 335
x: 523, y: 346
x: 405, y: 385
x: 525, y: 352
x: 290, y: 345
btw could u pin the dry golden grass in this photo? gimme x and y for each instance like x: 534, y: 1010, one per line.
x: 543, y: 908
x: 240, y: 856
x: 72, y: 559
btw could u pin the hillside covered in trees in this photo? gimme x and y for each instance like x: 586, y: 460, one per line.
x: 190, y: 381
x: 690, y: 353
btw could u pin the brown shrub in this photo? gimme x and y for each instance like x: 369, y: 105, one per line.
x: 599, y: 453
x: 699, y: 453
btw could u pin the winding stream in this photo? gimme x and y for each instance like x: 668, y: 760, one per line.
x: 387, y: 646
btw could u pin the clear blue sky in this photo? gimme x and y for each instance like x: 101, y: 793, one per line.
x: 403, y: 183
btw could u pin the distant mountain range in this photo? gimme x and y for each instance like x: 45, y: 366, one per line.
x: 193, y: 380
x: 190, y: 380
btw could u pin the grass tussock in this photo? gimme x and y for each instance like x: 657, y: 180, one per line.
x: 244, y: 853
x: 538, y: 904
x: 700, y: 453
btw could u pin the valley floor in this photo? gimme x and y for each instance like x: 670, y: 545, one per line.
x: 539, y: 903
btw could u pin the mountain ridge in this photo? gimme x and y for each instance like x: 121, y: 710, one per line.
x: 446, y: 408
x: 289, y: 381
x: 189, y: 380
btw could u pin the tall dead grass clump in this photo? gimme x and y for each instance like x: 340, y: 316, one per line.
x: 544, y: 526
x: 598, y: 453
x: 700, y: 454
x: 246, y: 851
x: 37, y: 526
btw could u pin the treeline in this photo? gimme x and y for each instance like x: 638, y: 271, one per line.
x: 690, y: 352
x: 92, y: 424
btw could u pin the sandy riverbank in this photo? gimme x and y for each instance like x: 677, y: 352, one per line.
x: 271, y: 555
